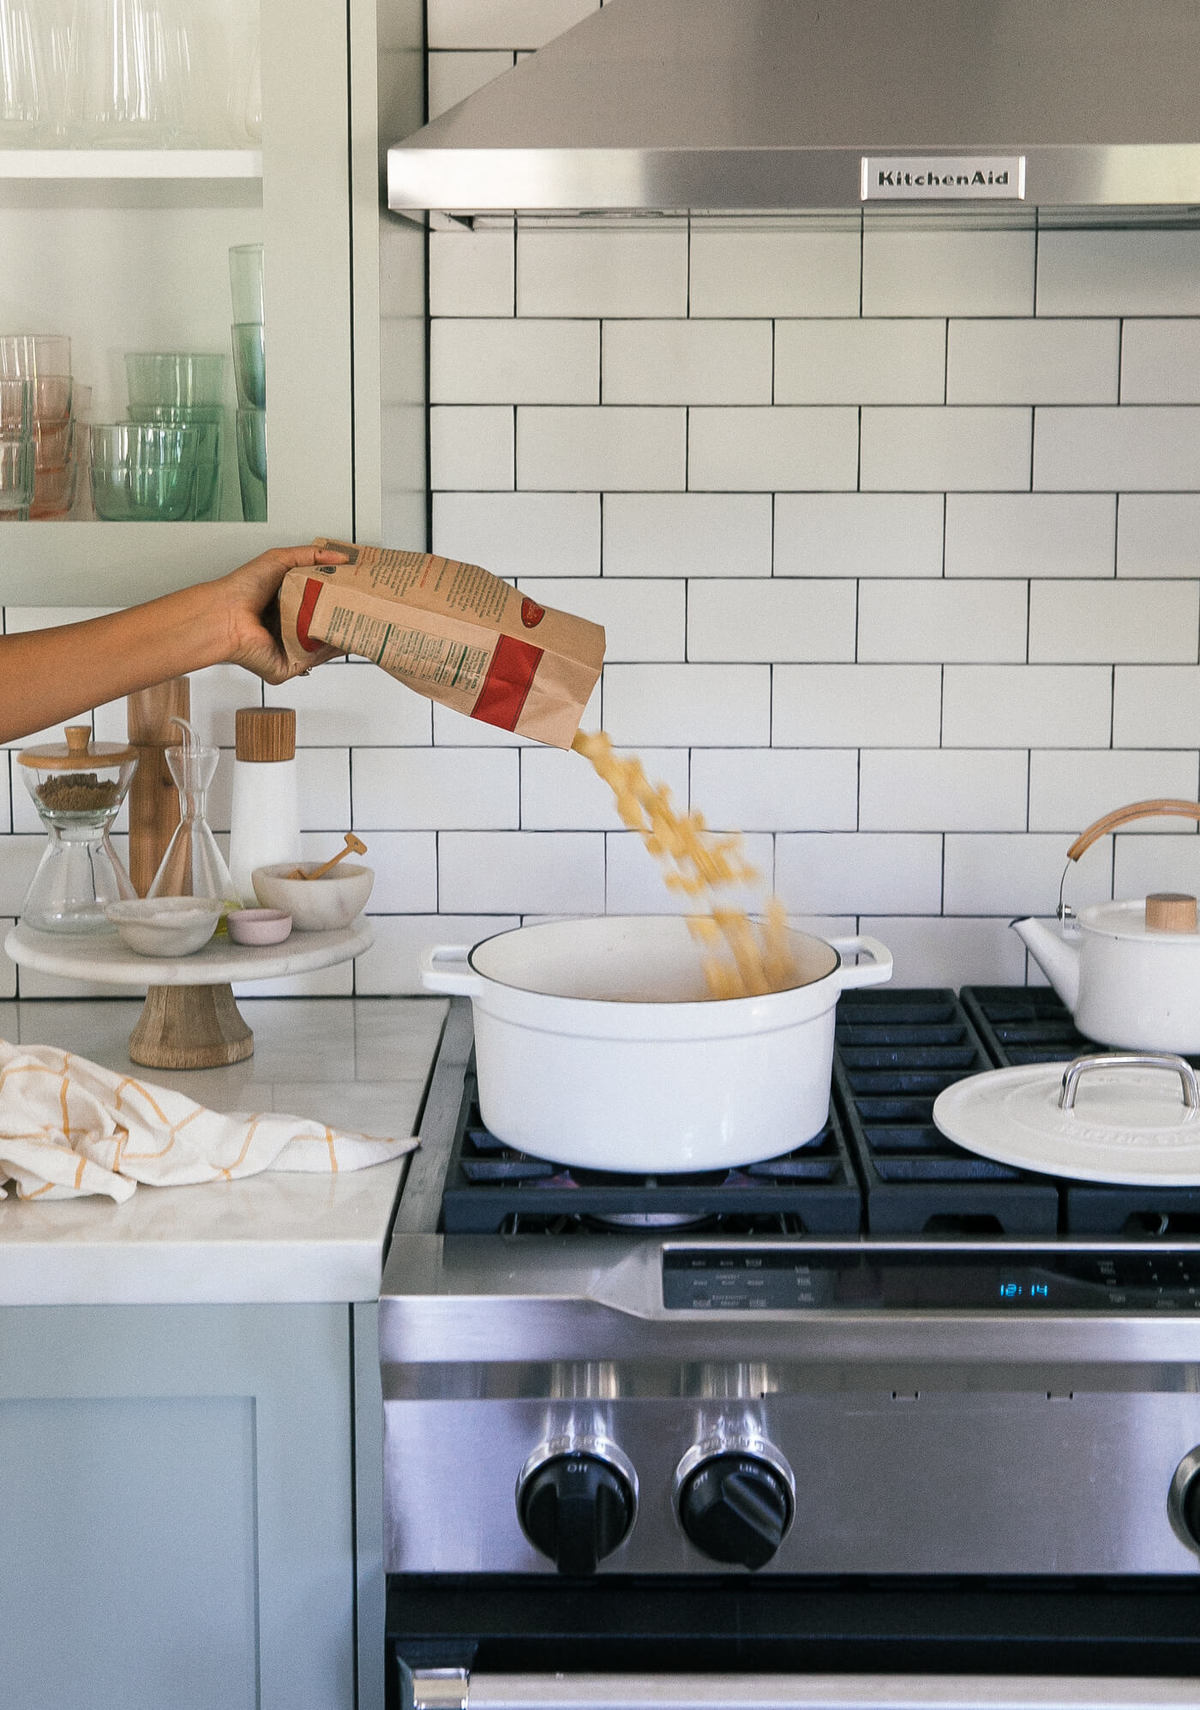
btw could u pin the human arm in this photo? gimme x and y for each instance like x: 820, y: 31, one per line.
x: 49, y: 675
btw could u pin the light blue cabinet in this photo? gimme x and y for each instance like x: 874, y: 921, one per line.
x: 192, y: 1506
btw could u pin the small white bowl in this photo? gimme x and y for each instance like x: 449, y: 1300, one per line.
x: 166, y: 926
x: 315, y: 905
x: 258, y: 925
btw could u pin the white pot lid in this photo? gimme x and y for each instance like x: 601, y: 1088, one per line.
x: 1129, y: 1124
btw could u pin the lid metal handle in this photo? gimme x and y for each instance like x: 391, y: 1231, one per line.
x: 1130, y: 1060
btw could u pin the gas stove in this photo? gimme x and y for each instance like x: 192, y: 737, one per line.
x: 876, y: 1360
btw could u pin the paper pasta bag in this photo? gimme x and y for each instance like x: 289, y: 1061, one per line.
x: 451, y: 631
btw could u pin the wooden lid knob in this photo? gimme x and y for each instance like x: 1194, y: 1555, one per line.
x: 265, y: 733
x: 79, y: 737
x: 1170, y: 911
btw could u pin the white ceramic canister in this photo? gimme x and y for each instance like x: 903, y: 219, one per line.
x: 264, y: 821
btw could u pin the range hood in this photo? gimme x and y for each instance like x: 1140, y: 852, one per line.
x: 734, y: 107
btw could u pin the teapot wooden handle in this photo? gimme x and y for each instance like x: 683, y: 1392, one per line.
x: 1122, y: 816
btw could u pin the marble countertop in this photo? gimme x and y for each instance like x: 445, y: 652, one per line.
x: 354, y: 1063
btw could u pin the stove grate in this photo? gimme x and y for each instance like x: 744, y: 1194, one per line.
x: 896, y: 1050
x: 490, y: 1187
x: 1031, y: 1024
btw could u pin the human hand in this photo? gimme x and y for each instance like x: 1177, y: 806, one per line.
x: 249, y: 597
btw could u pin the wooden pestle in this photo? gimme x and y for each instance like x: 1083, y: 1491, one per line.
x: 354, y: 845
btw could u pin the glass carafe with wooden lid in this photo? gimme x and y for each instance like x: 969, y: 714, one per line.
x: 78, y: 787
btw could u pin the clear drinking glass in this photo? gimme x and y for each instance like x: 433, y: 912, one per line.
x: 24, y: 355
x: 17, y: 473
x: 175, y: 377
x: 143, y: 471
x: 23, y: 85
x: 209, y: 423
x: 252, y: 463
x: 250, y: 364
x: 125, y: 80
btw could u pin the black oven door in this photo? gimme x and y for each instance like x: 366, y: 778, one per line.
x: 482, y: 1643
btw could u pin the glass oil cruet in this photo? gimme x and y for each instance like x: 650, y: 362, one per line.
x: 77, y: 787
x: 193, y: 866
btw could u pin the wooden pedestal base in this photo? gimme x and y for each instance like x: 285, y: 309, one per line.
x: 190, y: 1027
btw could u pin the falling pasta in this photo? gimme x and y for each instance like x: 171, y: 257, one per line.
x: 741, y: 957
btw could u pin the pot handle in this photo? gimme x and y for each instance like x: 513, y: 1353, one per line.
x: 1122, y: 816
x: 444, y: 969
x: 872, y: 973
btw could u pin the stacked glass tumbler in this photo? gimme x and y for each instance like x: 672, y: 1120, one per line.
x: 250, y: 372
x: 42, y: 442
x: 163, y: 463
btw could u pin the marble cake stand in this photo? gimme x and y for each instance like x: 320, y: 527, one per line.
x: 189, y: 1019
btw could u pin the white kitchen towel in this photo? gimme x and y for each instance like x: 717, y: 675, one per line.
x: 69, y: 1127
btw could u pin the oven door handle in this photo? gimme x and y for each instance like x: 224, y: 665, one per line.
x: 465, y: 1689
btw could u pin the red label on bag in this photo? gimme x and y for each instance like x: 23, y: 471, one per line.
x: 531, y: 613
x: 509, y: 679
x: 308, y: 605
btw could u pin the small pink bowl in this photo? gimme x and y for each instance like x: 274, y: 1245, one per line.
x: 258, y: 925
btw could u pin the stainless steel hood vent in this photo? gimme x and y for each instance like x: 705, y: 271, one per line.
x: 733, y: 107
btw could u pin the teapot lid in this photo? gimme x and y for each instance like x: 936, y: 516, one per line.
x: 1160, y: 917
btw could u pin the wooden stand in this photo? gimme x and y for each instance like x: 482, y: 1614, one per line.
x: 190, y: 1027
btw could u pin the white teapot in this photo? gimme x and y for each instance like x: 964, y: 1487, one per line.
x: 1129, y: 972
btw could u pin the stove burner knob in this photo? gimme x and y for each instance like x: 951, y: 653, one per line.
x: 577, y: 1505
x: 1183, y: 1502
x: 734, y: 1505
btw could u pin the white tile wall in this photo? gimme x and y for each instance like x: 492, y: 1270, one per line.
x: 894, y: 532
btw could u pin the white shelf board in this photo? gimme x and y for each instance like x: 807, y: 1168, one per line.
x: 107, y: 163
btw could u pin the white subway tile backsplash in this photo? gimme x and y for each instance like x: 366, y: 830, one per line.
x: 927, y: 789
x: 773, y: 272
x: 521, y: 872
x: 831, y: 873
x: 687, y: 534
x: 605, y: 447
x: 1030, y: 534
x: 1126, y: 621
x: 1156, y: 706
x: 860, y: 362
x: 687, y: 362
x: 514, y: 24
x: 435, y: 789
x: 1156, y: 863
x: 560, y: 791
x: 344, y: 711
x: 1137, y: 446
x: 472, y: 446
x: 1160, y: 362
x: 947, y: 272
x: 1026, y: 706
x: 856, y: 706
x: 1032, y: 362
x: 941, y: 620
x: 641, y: 619
x: 780, y: 789
x: 764, y: 450
x: 681, y: 706
x: 405, y: 868
x: 858, y: 534
x: 472, y: 273
x: 1157, y: 534
x: 1118, y: 273
x: 1012, y: 874
x: 1069, y: 789
x: 923, y: 449
x: 803, y: 619
x: 323, y: 786
x: 602, y: 272
x: 520, y: 534
x: 19, y: 857
x: 950, y: 952
x: 514, y: 362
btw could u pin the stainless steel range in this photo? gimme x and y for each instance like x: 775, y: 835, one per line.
x: 879, y: 1418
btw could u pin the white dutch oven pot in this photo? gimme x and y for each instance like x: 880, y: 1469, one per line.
x: 1129, y: 972
x: 596, y: 1044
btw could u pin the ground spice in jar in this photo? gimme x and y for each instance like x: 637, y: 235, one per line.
x: 78, y: 792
